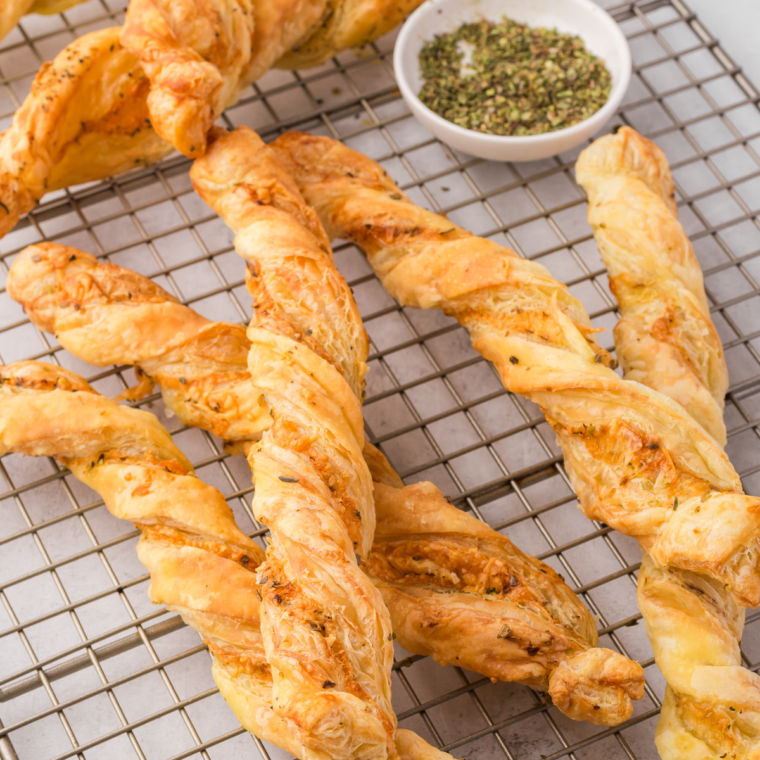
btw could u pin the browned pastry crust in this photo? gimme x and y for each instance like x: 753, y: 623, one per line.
x: 107, y: 314
x: 242, y: 180
x: 345, y: 24
x: 665, y: 339
x: 711, y: 708
x: 326, y: 630
x: 201, y: 54
x: 466, y: 595
x: 201, y: 565
x: 712, y: 704
x: 195, y: 55
x: 92, y: 111
x: 637, y: 460
x: 85, y: 119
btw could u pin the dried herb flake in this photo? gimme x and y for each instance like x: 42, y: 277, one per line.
x: 505, y: 78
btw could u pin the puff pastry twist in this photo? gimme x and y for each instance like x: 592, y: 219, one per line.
x: 466, y: 595
x: 242, y: 180
x: 711, y: 707
x: 666, y: 338
x: 100, y: 109
x: 522, y: 622
x: 712, y: 704
x: 196, y: 55
x: 201, y: 54
x: 106, y: 314
x: 327, y: 633
x: 85, y: 118
x: 200, y: 563
x: 637, y: 460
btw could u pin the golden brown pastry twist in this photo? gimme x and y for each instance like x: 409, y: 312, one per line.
x: 201, y: 54
x: 637, y: 460
x: 466, y: 595
x: 242, y: 180
x: 106, y: 314
x: 11, y: 11
x: 666, y: 338
x: 200, y: 564
x: 92, y: 110
x: 327, y: 633
x: 711, y: 708
x: 86, y: 118
x: 195, y: 55
x: 712, y: 704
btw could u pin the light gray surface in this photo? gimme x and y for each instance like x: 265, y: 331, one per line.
x: 734, y: 23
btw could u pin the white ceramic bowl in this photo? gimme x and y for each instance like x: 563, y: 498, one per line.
x: 594, y: 26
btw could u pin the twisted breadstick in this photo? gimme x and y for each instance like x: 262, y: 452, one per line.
x: 11, y: 11
x: 711, y: 708
x: 195, y: 55
x: 466, y: 595
x: 92, y: 111
x: 106, y: 314
x: 85, y: 119
x: 200, y: 564
x: 637, y: 460
x: 712, y: 705
x: 327, y: 633
x: 201, y: 54
x: 666, y: 339
x: 246, y: 185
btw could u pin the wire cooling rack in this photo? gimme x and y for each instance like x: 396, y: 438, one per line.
x: 89, y: 669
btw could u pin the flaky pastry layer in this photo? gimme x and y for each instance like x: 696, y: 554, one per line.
x: 245, y: 183
x: 666, y: 340
x: 120, y: 98
x: 85, y: 118
x: 107, y: 314
x: 200, y: 564
x: 638, y: 461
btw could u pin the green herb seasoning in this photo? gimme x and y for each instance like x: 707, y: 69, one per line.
x: 508, y: 79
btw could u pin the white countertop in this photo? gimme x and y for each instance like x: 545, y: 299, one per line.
x: 734, y: 23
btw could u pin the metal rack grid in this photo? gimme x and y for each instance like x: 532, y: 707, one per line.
x: 89, y: 669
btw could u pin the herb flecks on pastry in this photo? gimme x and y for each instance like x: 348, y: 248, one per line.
x: 638, y: 461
